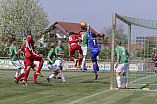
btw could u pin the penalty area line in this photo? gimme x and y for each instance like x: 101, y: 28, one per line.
x: 73, y: 102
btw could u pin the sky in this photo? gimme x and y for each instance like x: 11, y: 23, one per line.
x: 98, y: 13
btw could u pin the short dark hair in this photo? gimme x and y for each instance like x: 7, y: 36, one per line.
x: 52, y: 45
x: 12, y: 39
x: 72, y: 33
x: 28, y: 32
x: 93, y: 33
x: 118, y: 42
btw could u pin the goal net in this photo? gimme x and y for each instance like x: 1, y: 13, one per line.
x: 140, y: 41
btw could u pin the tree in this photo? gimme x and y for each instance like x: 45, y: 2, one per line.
x: 22, y: 15
x: 119, y: 33
x: 17, y: 16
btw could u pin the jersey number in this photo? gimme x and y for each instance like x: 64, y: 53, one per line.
x: 94, y: 42
x: 70, y: 38
x: 123, y: 51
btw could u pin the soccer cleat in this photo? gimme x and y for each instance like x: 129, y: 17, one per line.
x: 39, y: 74
x: 119, y: 88
x: 16, y: 81
x: 35, y: 82
x: 85, y: 69
x: 24, y: 82
x: 75, y: 63
x: 126, y: 87
x: 21, y: 79
x: 78, y: 66
x: 54, y: 77
x: 96, y: 76
x: 65, y: 82
x: 59, y: 77
x: 48, y: 79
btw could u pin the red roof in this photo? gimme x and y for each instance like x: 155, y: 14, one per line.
x: 67, y: 27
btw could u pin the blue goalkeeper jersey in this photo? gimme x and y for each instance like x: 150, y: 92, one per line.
x: 92, y: 42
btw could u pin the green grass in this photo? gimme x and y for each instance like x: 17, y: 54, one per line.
x: 81, y: 88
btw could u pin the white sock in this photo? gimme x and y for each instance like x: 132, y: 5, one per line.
x: 63, y: 78
x: 118, y: 81
x: 75, y: 60
x: 51, y: 76
x: 17, y: 72
x: 125, y: 81
x: 22, y: 71
x: 83, y: 62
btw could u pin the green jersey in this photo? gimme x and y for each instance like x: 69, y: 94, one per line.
x: 52, y: 56
x: 59, y: 50
x: 123, y: 54
x: 12, y: 50
x: 84, y: 39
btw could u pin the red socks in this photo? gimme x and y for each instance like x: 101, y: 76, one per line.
x: 40, y: 66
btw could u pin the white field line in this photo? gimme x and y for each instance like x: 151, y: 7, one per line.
x: 73, y: 102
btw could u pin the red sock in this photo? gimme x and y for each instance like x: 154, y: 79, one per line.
x: 72, y: 57
x: 35, y: 76
x: 40, y: 66
x: 26, y: 74
x: 155, y: 71
x: 20, y: 76
x: 79, y: 61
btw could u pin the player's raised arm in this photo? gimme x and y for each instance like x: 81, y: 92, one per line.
x: 88, y: 30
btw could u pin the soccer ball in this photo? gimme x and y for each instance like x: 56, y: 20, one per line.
x: 83, y: 24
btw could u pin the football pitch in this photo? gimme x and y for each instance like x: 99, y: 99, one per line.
x: 81, y: 88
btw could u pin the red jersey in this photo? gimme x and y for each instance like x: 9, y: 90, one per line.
x: 154, y: 57
x: 28, y: 53
x: 72, y: 39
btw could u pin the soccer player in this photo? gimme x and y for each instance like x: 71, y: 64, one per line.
x: 29, y: 63
x: 84, y: 43
x: 93, y: 47
x: 154, y: 58
x: 72, y: 40
x: 31, y: 56
x: 121, y: 64
x: 52, y: 66
x: 14, y: 58
x: 60, y: 53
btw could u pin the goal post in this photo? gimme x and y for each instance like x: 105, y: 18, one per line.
x: 141, y: 42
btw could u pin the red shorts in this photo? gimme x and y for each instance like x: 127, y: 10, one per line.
x: 30, y: 63
x: 75, y: 47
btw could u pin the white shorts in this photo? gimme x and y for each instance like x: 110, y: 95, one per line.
x: 17, y: 63
x: 122, y: 67
x: 84, y: 50
x: 59, y: 62
x: 52, y: 67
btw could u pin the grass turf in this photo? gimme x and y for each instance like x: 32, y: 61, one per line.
x: 80, y: 89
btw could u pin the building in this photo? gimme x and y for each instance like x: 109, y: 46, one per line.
x: 61, y: 30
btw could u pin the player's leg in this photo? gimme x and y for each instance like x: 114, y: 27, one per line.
x: 94, y: 54
x: 26, y: 74
x: 61, y: 75
x: 35, y: 74
x: 118, y: 71
x: 38, y: 57
x: 61, y: 67
x: 52, y: 68
x: 125, y: 68
x: 17, y: 64
x: 84, y: 49
x: 72, y: 52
